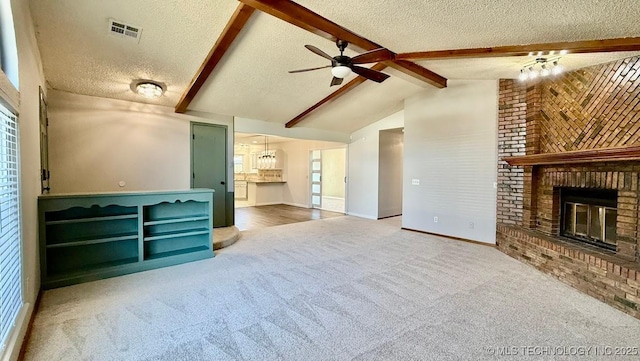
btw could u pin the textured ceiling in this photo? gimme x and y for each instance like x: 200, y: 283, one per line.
x: 79, y: 55
x: 252, y: 80
x: 413, y: 25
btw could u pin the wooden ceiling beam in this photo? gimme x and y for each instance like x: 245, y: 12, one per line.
x: 572, y: 47
x: 229, y: 34
x: 418, y: 72
x: 335, y: 95
x: 304, y: 18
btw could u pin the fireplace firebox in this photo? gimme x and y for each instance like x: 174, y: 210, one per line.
x: 589, y: 215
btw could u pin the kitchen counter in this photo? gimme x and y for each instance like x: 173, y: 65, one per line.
x: 259, y: 192
x: 264, y: 181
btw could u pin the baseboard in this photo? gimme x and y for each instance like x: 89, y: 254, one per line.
x: 296, y: 204
x: 493, y: 245
x: 17, y: 344
x: 395, y: 215
x: 267, y: 204
x: 362, y: 216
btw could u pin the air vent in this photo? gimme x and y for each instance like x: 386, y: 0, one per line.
x: 124, y: 30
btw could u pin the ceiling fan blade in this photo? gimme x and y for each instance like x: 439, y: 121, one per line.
x: 336, y: 81
x: 376, y: 76
x: 319, y: 52
x: 303, y: 70
x: 373, y: 56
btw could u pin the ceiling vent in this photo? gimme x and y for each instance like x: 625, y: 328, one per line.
x: 124, y: 30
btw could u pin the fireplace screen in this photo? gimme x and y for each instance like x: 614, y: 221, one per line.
x: 590, y: 216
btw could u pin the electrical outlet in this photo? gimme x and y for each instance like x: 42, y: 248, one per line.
x: 435, y: 219
x: 495, y: 185
x: 472, y: 225
x: 415, y: 182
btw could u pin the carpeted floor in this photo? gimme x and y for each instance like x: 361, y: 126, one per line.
x: 334, y: 289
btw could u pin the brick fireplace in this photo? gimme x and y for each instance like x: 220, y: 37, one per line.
x: 577, y: 134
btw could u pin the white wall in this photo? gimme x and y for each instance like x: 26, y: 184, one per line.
x: 390, y: 173
x: 296, y: 172
x: 362, y: 179
x: 450, y: 144
x: 334, y: 165
x: 94, y: 143
x: 31, y: 77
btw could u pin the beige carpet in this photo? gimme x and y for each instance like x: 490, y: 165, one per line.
x: 334, y: 289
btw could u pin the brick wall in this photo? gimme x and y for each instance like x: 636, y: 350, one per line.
x: 595, y: 107
x: 621, y: 176
x: 512, y: 109
x: 594, y: 273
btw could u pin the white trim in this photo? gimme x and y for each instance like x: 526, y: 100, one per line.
x: 296, y: 204
x: 17, y: 335
x: 362, y: 216
x: 330, y: 197
x: 267, y: 203
x: 9, y: 95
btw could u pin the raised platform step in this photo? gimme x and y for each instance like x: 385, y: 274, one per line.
x: 225, y: 236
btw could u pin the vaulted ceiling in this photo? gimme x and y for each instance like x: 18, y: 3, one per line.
x: 251, y: 80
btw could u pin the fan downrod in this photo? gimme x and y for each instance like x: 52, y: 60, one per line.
x: 341, y: 44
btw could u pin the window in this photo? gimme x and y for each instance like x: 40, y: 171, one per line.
x: 10, y: 258
x: 10, y: 231
x: 238, y: 164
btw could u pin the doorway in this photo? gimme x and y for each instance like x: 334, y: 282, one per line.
x: 209, y: 165
x: 390, y: 168
x: 328, y: 179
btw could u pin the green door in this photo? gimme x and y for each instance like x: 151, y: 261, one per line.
x: 209, y: 165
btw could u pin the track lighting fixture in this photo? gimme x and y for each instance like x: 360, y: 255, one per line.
x: 541, y: 66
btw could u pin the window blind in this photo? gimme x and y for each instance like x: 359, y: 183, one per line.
x: 10, y: 258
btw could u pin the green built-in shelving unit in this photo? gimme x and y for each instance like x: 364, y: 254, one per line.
x: 85, y: 237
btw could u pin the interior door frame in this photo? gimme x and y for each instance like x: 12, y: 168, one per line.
x: 345, y: 178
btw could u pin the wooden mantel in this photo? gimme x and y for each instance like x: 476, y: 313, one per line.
x: 578, y: 156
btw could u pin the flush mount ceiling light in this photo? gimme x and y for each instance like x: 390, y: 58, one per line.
x: 148, y: 88
x: 541, y: 66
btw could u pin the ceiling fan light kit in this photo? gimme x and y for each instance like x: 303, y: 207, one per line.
x: 542, y: 66
x: 340, y: 71
x: 342, y: 65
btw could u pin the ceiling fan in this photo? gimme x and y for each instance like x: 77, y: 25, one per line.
x: 342, y: 65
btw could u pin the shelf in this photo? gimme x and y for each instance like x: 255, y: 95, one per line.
x: 170, y: 220
x: 115, y: 238
x: 176, y: 252
x: 87, y: 237
x: 81, y: 271
x: 617, y: 154
x: 176, y: 234
x: 92, y: 219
